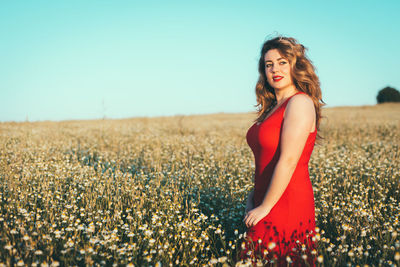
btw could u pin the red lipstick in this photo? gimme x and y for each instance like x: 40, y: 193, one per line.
x: 277, y: 78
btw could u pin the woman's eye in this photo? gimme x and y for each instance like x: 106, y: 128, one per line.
x: 283, y: 62
x: 268, y: 65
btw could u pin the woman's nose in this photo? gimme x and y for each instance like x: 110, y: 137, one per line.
x: 274, y: 68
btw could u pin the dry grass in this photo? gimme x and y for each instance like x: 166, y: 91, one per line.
x: 171, y: 191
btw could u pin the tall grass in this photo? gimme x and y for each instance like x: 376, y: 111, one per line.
x: 171, y: 191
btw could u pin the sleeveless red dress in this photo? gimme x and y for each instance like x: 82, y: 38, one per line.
x: 289, y: 228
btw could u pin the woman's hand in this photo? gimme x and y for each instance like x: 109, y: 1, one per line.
x: 255, y: 215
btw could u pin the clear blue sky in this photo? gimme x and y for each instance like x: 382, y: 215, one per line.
x: 62, y: 60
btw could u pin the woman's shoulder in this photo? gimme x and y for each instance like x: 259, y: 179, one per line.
x: 301, y: 99
x: 301, y: 103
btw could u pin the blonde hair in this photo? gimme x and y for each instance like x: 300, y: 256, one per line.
x: 302, y: 72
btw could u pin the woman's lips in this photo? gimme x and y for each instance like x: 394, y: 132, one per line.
x: 277, y: 78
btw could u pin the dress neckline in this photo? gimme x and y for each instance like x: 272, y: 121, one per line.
x: 258, y: 124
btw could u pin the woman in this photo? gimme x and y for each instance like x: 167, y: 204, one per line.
x: 280, y: 211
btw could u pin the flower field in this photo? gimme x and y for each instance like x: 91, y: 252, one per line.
x: 171, y: 191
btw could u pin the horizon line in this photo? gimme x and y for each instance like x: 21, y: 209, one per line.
x: 174, y: 115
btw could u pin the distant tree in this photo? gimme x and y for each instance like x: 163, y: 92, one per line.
x: 388, y: 94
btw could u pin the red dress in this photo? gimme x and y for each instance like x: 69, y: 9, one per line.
x: 291, y: 222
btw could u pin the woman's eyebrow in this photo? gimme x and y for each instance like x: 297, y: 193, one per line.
x: 281, y: 58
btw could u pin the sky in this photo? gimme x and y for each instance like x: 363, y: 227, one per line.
x: 73, y: 60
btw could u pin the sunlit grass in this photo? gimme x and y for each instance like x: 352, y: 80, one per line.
x: 171, y: 191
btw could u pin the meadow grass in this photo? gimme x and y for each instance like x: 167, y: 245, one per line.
x: 171, y: 191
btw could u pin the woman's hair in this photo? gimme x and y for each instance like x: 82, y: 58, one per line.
x: 302, y: 72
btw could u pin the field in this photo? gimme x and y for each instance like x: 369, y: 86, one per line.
x: 171, y: 191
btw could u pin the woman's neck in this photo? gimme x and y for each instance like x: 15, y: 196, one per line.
x: 283, y: 95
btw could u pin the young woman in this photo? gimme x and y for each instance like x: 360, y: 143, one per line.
x: 280, y: 211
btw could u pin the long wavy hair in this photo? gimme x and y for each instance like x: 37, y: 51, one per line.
x: 302, y: 72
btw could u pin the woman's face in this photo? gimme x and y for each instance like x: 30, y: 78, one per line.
x: 277, y: 70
